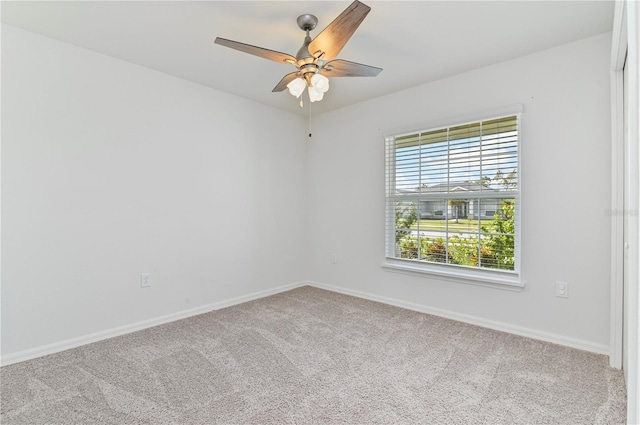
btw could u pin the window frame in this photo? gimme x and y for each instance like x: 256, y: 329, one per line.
x: 488, y: 277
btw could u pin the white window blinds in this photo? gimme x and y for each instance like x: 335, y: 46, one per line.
x: 453, y: 195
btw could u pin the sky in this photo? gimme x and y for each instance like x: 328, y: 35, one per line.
x: 459, y: 159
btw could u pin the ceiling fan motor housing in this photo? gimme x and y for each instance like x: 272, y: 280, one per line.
x: 308, y: 65
x: 307, y: 22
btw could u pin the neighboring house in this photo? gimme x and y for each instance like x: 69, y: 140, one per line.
x: 439, y: 209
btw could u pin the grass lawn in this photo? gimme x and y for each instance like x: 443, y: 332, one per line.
x: 463, y: 225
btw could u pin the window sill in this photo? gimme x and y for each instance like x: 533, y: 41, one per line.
x: 498, y: 280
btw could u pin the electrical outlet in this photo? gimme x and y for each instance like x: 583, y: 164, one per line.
x: 562, y: 289
x: 145, y: 280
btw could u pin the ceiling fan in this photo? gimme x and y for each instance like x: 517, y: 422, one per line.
x: 315, y: 60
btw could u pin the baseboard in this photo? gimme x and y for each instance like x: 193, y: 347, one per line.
x: 491, y: 324
x: 122, y: 330
x: 134, y: 327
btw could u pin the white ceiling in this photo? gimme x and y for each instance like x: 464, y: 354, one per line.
x: 415, y: 42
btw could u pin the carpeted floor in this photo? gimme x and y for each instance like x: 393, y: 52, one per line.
x: 310, y: 356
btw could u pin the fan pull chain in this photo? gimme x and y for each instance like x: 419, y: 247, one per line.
x: 309, y: 119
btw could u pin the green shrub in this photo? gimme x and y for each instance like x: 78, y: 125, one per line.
x: 499, y: 239
x: 462, y: 250
x: 437, y: 251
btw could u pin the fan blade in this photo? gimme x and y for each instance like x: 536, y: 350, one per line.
x: 343, y: 68
x: 257, y: 51
x: 333, y: 38
x: 285, y: 80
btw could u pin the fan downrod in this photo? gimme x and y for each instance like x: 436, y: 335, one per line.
x: 307, y: 22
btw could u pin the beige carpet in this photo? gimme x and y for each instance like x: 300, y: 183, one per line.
x: 310, y: 356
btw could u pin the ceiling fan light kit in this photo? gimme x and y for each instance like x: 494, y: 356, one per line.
x: 314, y: 60
x: 318, y: 85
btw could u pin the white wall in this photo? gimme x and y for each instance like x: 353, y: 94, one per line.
x: 565, y: 147
x: 110, y: 170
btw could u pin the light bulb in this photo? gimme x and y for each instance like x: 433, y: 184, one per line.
x: 296, y: 87
x: 320, y: 83
x: 315, y: 95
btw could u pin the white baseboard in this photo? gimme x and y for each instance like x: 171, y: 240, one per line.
x: 133, y: 327
x: 485, y: 323
x: 110, y: 333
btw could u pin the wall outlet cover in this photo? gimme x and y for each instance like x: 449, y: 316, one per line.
x: 562, y: 289
x: 145, y: 280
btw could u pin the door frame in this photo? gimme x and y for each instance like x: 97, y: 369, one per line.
x: 618, y: 55
x: 626, y: 36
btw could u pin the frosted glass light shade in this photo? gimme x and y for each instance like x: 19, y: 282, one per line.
x: 296, y: 87
x: 315, y: 95
x: 320, y: 83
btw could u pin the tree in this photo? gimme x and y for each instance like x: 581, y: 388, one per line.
x: 406, y: 216
x: 507, y: 181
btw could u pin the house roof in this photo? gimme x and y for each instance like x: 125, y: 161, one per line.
x: 456, y: 187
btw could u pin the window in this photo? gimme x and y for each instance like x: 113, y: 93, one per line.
x: 452, y: 198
